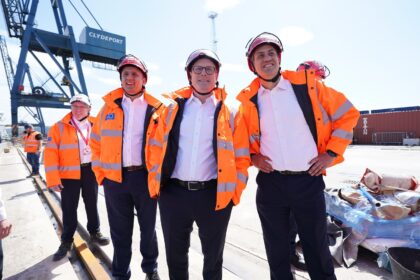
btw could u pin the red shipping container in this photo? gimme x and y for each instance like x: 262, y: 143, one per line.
x: 387, y: 128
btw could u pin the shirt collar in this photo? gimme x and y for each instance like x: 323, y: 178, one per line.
x: 283, y: 84
x: 126, y: 99
x: 81, y: 123
x: 212, y: 99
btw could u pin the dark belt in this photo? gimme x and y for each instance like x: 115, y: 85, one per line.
x: 195, y: 185
x: 288, y: 172
x: 133, y: 167
x: 85, y: 164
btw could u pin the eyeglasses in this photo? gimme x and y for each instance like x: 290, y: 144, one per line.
x: 199, y: 69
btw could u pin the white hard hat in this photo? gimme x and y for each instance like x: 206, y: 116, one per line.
x: 81, y: 98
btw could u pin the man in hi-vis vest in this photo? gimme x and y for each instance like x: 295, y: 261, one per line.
x: 297, y: 128
x: 68, y: 169
x: 32, y: 142
x: 199, y: 167
x: 120, y: 135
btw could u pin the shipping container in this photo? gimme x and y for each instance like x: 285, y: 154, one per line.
x: 388, y: 128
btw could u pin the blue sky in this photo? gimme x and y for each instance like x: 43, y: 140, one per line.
x: 372, y: 47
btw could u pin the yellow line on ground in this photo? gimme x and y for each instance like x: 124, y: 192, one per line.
x: 92, y: 265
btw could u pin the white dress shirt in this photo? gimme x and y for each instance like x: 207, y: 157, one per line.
x: 84, y: 149
x: 134, y: 115
x: 195, y: 159
x: 285, y: 135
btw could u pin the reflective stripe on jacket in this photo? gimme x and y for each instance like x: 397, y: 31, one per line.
x: 31, y: 145
x: 61, y: 155
x: 107, y: 135
x: 230, y: 149
x: 329, y: 115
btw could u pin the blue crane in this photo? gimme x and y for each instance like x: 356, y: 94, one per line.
x: 94, y: 45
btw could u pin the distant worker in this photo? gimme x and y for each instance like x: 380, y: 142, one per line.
x: 200, y: 169
x: 68, y: 169
x: 119, y: 137
x: 296, y: 259
x: 5, y: 229
x: 298, y: 127
x: 32, y: 147
x: 321, y: 70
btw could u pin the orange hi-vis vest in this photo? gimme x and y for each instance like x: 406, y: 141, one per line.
x: 61, y: 154
x: 229, y: 145
x: 106, y: 139
x: 31, y: 145
x: 329, y: 115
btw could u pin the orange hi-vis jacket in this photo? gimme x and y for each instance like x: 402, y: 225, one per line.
x: 329, y: 115
x: 31, y: 145
x: 230, y: 149
x: 61, y: 155
x: 106, y: 139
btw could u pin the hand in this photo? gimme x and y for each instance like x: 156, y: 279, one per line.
x: 5, y: 228
x: 57, y: 188
x: 262, y: 162
x: 319, y: 164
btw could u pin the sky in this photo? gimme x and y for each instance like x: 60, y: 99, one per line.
x: 371, y: 47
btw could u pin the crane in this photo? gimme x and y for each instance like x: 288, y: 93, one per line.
x: 95, y: 45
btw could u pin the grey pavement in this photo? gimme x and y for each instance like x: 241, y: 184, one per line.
x: 29, y: 248
x: 244, y: 256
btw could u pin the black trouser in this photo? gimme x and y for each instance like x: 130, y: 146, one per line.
x: 1, y: 260
x: 70, y: 201
x: 277, y: 196
x: 179, y: 209
x: 121, y: 199
x: 293, y: 233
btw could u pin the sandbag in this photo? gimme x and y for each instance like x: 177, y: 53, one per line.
x: 411, y: 199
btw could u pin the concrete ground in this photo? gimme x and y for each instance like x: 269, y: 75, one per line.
x: 29, y: 248
x: 244, y: 256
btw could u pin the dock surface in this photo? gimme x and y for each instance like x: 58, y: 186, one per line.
x: 28, y: 250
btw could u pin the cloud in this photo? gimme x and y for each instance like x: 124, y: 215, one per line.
x: 220, y: 5
x: 154, y: 80
x: 295, y: 35
x: 152, y: 66
x: 230, y: 67
x: 114, y: 83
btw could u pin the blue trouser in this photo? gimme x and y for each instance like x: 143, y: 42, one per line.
x: 121, y: 199
x: 179, y: 209
x: 277, y: 196
x: 33, y: 159
x: 70, y: 201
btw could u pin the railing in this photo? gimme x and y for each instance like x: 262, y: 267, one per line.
x: 391, y: 138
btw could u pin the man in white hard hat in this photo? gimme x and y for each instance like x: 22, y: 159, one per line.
x: 68, y: 170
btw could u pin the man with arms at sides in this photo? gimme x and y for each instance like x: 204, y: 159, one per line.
x: 119, y: 137
x: 200, y: 167
x: 32, y: 147
x: 68, y: 169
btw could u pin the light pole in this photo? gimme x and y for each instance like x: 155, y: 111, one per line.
x: 212, y: 16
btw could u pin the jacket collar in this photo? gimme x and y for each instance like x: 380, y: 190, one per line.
x: 67, y: 118
x: 113, y: 98
x: 247, y: 94
x: 186, y: 92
